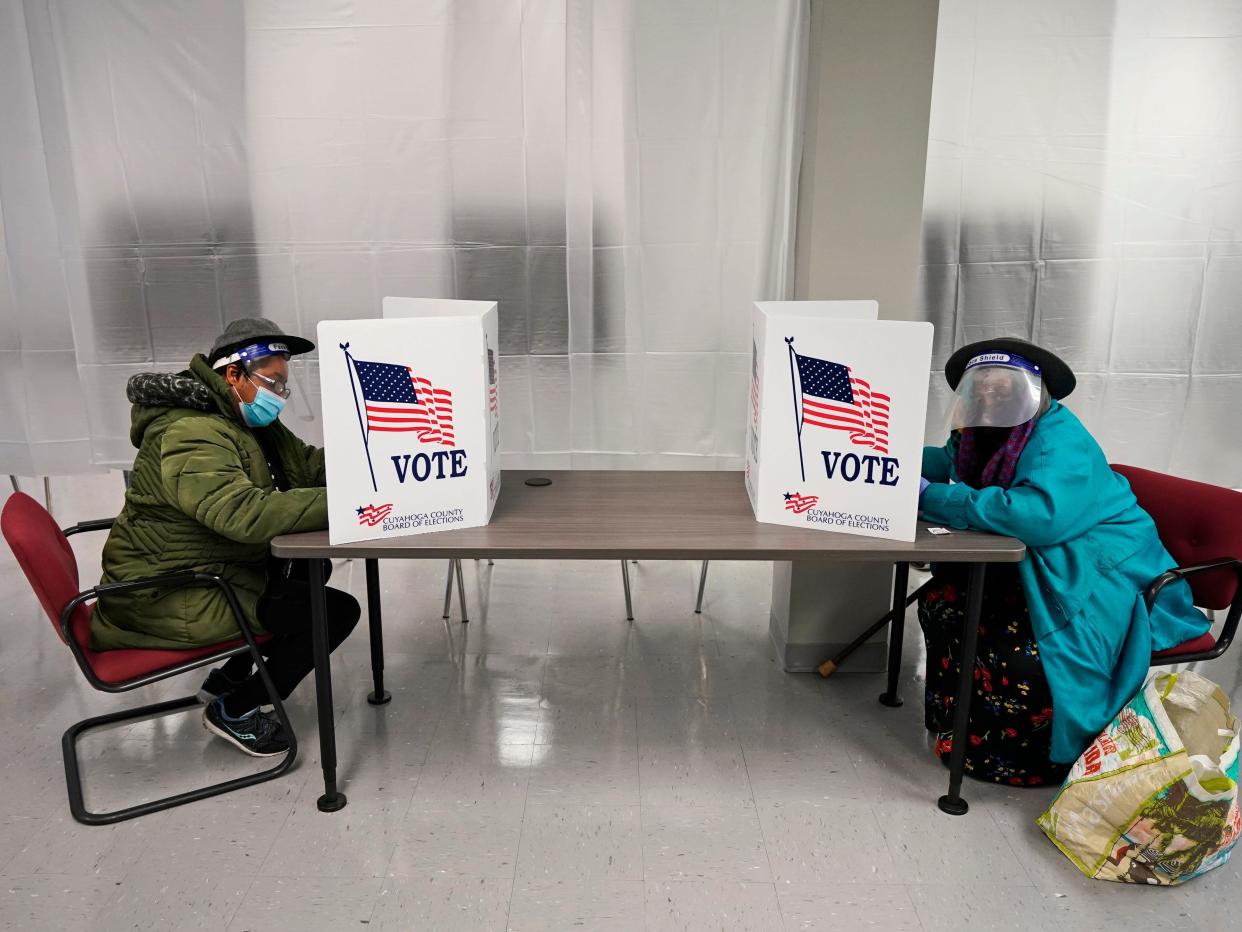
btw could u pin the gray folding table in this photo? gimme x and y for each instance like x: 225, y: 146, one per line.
x: 613, y: 515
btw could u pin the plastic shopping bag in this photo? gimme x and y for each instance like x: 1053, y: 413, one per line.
x: 1154, y: 799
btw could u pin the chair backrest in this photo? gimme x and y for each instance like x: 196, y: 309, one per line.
x: 46, y: 558
x: 1197, y: 522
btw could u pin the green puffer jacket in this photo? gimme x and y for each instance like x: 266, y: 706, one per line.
x: 202, y: 497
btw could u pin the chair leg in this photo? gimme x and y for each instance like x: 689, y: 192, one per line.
x: 461, y: 591
x: 625, y: 580
x: 448, y: 589
x: 73, y: 775
x: 698, y: 606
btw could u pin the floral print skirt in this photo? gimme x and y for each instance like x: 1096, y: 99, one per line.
x: 1011, y: 713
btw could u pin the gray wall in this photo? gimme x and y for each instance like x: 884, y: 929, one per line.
x: 860, y: 199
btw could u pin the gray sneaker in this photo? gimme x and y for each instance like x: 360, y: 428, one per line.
x: 258, y: 734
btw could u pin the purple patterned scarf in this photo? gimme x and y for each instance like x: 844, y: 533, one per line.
x: 1000, y: 465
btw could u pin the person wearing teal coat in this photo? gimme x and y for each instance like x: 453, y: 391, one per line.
x: 1020, y: 463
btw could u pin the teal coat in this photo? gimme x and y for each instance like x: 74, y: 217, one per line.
x: 1091, y: 552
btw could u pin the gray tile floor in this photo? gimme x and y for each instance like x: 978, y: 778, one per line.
x: 548, y: 766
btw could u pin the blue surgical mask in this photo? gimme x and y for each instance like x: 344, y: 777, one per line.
x: 265, y: 408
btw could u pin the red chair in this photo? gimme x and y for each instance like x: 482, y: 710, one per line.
x: 1201, y: 526
x: 44, y: 554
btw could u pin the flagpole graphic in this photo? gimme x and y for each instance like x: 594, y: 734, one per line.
x: 349, y: 364
x: 797, y: 407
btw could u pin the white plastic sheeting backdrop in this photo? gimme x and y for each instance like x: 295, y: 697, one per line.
x: 1084, y: 189
x: 619, y: 175
x: 43, y: 425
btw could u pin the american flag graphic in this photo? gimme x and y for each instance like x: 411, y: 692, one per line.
x: 372, y: 515
x: 798, y: 503
x: 492, y: 387
x: 754, y: 385
x: 834, y: 398
x: 398, y: 400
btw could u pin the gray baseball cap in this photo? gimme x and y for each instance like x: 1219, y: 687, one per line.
x: 253, y: 338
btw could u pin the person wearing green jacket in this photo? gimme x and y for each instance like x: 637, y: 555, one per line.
x: 217, y: 476
x: 1065, y: 637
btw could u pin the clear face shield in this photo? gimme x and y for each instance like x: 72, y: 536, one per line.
x: 996, y: 390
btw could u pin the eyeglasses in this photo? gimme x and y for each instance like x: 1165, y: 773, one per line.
x: 277, y: 386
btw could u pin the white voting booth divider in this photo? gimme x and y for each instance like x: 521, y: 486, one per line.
x: 411, y: 418
x: 838, y: 401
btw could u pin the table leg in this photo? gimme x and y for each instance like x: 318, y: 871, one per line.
x: 952, y: 803
x: 448, y: 590
x: 461, y: 591
x: 332, y: 799
x: 380, y: 695
x: 698, y: 605
x: 625, y: 581
x: 896, y: 634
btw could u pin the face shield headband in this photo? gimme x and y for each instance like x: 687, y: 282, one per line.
x: 252, y: 353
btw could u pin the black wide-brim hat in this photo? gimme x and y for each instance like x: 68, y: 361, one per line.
x: 1056, y: 374
x: 248, y: 330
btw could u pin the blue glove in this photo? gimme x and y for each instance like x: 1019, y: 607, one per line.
x: 923, y: 484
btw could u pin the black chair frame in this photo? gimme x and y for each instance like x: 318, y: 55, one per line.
x: 182, y: 579
x: 1228, y: 629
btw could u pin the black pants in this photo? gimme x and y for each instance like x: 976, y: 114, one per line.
x: 1011, y: 711
x: 284, y: 610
